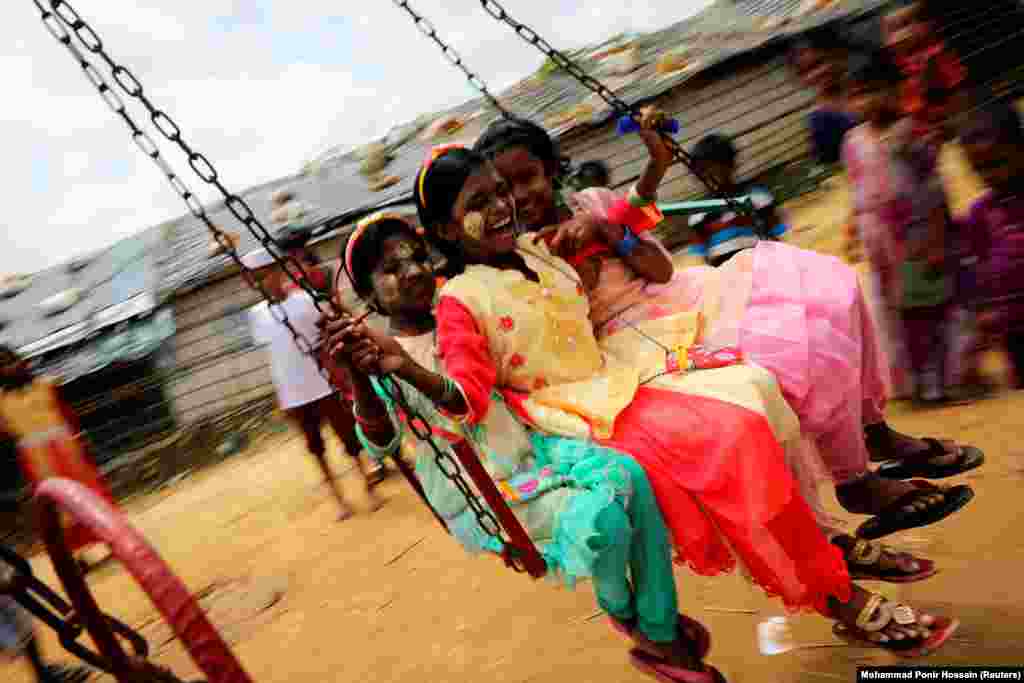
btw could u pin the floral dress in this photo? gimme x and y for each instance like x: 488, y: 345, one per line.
x: 719, y: 473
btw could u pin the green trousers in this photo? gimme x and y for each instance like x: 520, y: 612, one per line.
x: 633, y: 574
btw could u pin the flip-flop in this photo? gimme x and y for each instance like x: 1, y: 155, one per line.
x: 968, y: 459
x: 694, y: 631
x: 652, y: 666
x: 942, y: 630
x: 893, y: 518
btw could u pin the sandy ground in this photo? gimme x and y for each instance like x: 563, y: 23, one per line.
x: 388, y: 597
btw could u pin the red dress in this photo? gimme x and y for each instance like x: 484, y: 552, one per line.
x: 47, y: 432
x: 718, y: 473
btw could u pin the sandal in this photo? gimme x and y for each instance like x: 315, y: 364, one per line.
x: 894, y: 517
x: 920, y: 465
x: 863, y: 562
x: 691, y: 631
x: 878, y: 613
x: 666, y: 673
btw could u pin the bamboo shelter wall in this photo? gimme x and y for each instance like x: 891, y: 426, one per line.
x: 761, y: 105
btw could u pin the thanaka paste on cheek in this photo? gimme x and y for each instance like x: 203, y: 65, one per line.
x: 473, y: 225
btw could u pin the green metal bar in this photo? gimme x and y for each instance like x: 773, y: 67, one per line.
x: 701, y: 206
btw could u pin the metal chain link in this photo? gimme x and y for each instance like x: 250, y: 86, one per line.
x: 47, y: 606
x: 453, y: 57
x: 58, y: 24
x: 61, y: 20
x: 498, y: 12
x: 447, y: 463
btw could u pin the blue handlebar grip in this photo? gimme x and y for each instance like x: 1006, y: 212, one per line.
x: 627, y: 125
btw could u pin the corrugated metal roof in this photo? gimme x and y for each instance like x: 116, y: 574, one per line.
x: 127, y: 342
x: 107, y: 279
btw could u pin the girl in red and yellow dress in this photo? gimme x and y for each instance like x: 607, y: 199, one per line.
x: 49, y: 440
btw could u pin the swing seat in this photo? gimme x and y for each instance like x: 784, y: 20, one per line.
x: 519, y: 551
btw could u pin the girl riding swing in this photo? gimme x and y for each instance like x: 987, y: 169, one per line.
x: 757, y: 302
x: 513, y: 318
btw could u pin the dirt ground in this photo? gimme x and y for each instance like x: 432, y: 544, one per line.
x: 388, y: 597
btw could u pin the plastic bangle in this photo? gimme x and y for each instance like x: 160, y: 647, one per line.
x: 627, y: 244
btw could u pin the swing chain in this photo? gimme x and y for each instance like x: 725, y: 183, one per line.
x: 57, y: 22
x: 39, y: 600
x: 60, y: 17
x: 493, y: 8
x: 446, y: 462
x: 453, y: 57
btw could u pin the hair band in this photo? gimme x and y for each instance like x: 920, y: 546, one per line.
x: 361, y: 228
x: 433, y: 156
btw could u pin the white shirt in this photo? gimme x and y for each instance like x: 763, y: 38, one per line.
x: 296, y: 377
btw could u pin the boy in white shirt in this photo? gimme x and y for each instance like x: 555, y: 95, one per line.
x: 303, y: 393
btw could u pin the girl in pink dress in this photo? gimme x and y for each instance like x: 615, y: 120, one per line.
x: 799, y: 314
